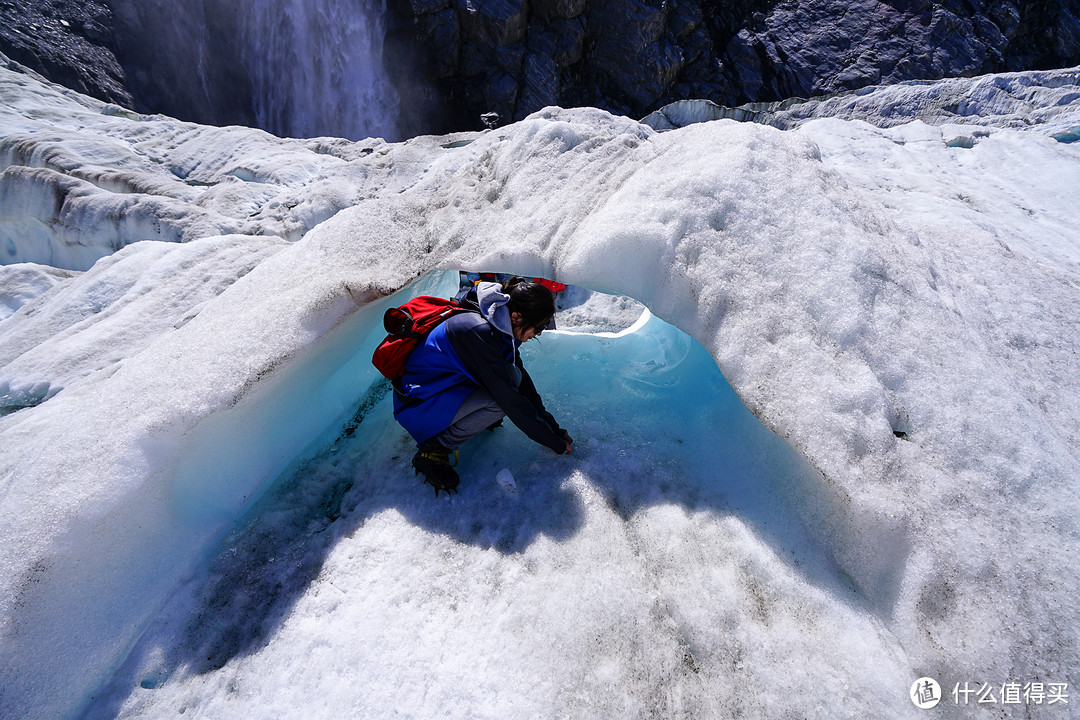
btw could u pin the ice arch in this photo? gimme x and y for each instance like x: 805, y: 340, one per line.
x: 199, y: 461
x: 656, y: 385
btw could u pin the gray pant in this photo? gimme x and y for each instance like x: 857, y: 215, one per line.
x: 477, y: 412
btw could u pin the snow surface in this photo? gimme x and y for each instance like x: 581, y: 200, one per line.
x: 21, y: 283
x: 206, y: 507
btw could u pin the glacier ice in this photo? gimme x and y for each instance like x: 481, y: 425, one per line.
x: 192, y: 522
x: 79, y: 181
x: 1036, y: 100
x: 22, y: 282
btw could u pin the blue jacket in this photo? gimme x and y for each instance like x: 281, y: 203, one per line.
x: 470, y: 350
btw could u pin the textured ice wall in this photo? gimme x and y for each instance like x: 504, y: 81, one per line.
x: 662, y: 569
x: 23, y: 282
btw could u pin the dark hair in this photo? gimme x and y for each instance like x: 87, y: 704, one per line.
x: 533, y: 301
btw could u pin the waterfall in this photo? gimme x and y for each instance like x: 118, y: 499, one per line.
x: 298, y: 68
x: 316, y: 67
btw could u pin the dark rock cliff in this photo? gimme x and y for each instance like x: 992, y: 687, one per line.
x: 71, y: 42
x: 512, y: 57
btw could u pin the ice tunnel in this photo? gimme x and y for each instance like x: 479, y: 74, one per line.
x: 648, y: 407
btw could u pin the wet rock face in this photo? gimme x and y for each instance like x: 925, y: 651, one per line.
x: 184, y: 63
x: 1047, y: 36
x: 513, y: 57
x: 804, y: 49
x: 71, y: 42
x: 120, y: 51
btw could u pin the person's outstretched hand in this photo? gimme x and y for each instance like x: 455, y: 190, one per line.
x: 569, y: 443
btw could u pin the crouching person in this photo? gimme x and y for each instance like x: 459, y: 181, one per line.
x: 467, y: 375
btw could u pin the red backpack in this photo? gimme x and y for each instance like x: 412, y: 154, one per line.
x: 407, y: 326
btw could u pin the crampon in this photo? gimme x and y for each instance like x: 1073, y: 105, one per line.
x: 432, y: 461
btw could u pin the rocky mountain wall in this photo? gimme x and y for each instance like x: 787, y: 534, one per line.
x: 71, y: 42
x: 513, y: 57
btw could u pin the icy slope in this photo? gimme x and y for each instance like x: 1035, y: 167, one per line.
x: 80, y: 179
x: 847, y: 294
x: 1040, y: 100
x: 23, y: 282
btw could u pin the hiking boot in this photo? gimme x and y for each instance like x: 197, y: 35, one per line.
x: 432, y: 461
